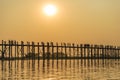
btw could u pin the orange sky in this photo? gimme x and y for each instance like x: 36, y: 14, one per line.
x: 78, y: 21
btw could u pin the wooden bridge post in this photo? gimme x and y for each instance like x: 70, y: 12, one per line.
x: 78, y: 52
x: 52, y: 45
x: 27, y: 55
x: 110, y: 49
x: 88, y: 50
x: 29, y: 50
x: 67, y: 45
x: 33, y: 50
x: 115, y: 52
x: 98, y: 51
x: 48, y: 50
x: 61, y: 51
x: 91, y: 48
x: 22, y: 49
x: 100, y: 47
x: 105, y: 52
x: 84, y: 49
x: 110, y: 52
x: 38, y: 50
x: 65, y: 51
x: 57, y: 50
x: 11, y: 48
x: 9, y: 43
x: 5, y: 49
x: 27, y: 47
x: 81, y: 50
x: 73, y: 46
x: 70, y: 50
x: 101, y: 51
x: 15, y: 49
x: 43, y: 50
x: 119, y: 52
x: 2, y: 49
x: 95, y: 52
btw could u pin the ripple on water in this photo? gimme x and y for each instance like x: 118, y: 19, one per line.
x: 60, y: 70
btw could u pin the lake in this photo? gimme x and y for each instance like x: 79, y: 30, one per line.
x: 81, y: 69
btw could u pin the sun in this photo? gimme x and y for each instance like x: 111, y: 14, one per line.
x: 50, y: 10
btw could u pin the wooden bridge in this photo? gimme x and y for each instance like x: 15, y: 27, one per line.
x: 13, y: 50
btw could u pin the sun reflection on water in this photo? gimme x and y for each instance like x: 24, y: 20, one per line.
x: 60, y: 70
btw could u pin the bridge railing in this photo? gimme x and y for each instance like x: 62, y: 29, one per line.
x: 12, y: 49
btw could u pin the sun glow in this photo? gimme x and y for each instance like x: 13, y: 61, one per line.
x: 50, y: 10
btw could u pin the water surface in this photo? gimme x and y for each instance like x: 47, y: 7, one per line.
x: 60, y: 70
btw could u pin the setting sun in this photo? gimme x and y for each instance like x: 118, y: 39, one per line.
x: 50, y: 10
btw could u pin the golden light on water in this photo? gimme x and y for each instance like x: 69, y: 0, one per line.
x: 50, y: 10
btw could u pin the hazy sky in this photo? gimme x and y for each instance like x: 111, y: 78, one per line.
x: 79, y: 21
